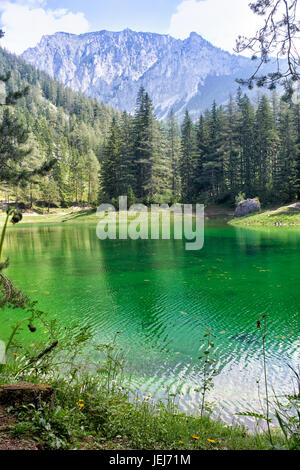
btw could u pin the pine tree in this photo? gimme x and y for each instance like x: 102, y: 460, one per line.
x: 203, y: 141
x: 246, y: 166
x: 189, y: 152
x: 145, y: 133
x: 285, y: 167
x: 173, y: 154
x: 14, y: 136
x: 110, y: 168
x: 213, y: 166
x: 231, y: 148
x: 266, y: 146
x: 92, y: 170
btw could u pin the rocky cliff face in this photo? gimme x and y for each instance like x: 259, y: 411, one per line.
x: 112, y: 66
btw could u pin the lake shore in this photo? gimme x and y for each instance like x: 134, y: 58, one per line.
x: 89, y: 413
x: 89, y: 215
x: 88, y: 418
x: 284, y: 216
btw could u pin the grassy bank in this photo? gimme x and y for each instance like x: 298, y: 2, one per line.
x: 286, y: 216
x: 95, y: 409
x: 71, y: 216
x: 87, y: 415
x: 57, y: 217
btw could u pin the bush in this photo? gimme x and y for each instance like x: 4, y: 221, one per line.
x: 239, y: 198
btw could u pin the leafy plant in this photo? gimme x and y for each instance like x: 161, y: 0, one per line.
x: 239, y: 198
x: 287, y: 412
x: 207, y: 370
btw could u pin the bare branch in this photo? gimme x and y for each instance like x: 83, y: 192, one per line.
x: 279, y: 38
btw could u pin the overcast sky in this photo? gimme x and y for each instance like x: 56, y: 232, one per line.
x: 218, y: 21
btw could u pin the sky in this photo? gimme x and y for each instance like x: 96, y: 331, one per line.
x: 218, y: 21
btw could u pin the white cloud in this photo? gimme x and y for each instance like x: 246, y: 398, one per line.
x: 26, y: 21
x: 218, y: 21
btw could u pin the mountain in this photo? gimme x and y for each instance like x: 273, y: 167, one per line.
x: 111, y: 66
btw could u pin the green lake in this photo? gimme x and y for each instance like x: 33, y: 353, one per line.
x: 162, y: 297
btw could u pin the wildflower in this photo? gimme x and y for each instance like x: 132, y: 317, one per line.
x: 89, y: 395
x: 15, y: 354
x: 180, y: 442
x: 212, y: 441
x: 196, y: 437
x: 81, y: 405
x: 149, y: 395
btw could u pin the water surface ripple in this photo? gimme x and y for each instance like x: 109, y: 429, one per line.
x: 162, y: 298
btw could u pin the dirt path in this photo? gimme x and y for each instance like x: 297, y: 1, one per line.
x: 7, y: 440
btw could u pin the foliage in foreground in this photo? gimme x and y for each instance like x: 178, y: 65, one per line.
x: 94, y: 410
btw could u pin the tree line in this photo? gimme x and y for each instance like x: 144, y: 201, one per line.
x: 237, y: 148
x: 48, y: 126
x: 68, y: 149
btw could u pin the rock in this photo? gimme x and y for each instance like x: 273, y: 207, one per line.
x: 246, y: 207
x: 112, y: 66
x: 25, y: 393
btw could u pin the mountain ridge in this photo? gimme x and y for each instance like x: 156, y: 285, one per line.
x: 112, y: 66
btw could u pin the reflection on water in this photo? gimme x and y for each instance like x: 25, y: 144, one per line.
x: 162, y: 297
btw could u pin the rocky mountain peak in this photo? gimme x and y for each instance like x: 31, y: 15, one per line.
x: 111, y: 66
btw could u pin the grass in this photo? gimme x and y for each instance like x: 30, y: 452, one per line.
x: 94, y: 410
x: 58, y: 217
x: 86, y: 416
x: 70, y: 216
x: 286, y: 216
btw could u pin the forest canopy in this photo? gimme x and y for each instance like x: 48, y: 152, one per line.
x: 244, y: 147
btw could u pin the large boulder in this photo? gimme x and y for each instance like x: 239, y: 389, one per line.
x: 246, y: 207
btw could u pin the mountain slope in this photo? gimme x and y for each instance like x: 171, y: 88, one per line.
x: 111, y: 66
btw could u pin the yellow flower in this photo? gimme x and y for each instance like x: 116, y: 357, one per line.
x: 212, y: 441
x: 15, y: 354
x: 81, y: 405
x: 149, y: 395
x: 89, y: 395
x: 196, y: 437
x: 180, y: 442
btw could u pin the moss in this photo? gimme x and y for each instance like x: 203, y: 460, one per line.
x: 24, y: 393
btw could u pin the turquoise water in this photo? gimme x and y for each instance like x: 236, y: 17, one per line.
x: 162, y: 298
